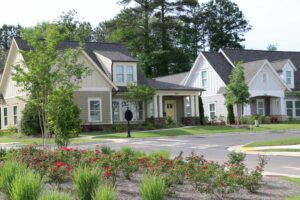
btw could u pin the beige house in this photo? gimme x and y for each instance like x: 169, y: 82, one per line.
x: 101, y: 94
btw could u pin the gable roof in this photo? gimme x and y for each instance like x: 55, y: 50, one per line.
x: 245, y: 56
x: 220, y: 64
x: 173, y: 78
x: 251, y: 68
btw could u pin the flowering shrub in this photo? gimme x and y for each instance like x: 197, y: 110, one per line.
x: 58, y: 172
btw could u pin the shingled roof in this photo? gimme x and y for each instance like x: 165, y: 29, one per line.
x: 115, y: 52
x: 174, y: 78
x: 251, y: 55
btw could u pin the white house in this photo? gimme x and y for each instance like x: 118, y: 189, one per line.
x: 273, y: 79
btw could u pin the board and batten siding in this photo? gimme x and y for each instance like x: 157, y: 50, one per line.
x: 81, y: 98
x: 9, y: 104
x: 219, y: 101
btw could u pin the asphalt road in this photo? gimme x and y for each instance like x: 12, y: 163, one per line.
x: 213, y: 147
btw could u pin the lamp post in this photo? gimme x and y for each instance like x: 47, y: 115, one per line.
x: 128, y: 117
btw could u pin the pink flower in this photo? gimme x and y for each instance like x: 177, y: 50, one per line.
x: 107, y: 174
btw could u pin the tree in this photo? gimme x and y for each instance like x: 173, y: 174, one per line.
x: 3, y: 56
x: 237, y: 90
x: 201, y: 111
x: 272, y: 47
x: 230, y: 114
x: 224, y: 23
x: 138, y: 93
x: 47, y: 71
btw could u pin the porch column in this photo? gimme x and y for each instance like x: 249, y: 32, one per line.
x: 197, y: 105
x: 155, y: 110
x: 160, y: 106
x: 192, y: 98
x: 282, y: 106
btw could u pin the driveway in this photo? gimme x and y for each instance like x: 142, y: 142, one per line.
x: 213, y: 147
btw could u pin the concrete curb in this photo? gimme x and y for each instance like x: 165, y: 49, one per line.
x: 253, y: 151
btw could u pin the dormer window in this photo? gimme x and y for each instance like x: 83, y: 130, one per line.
x: 288, y: 77
x: 125, y: 73
x: 129, y: 73
x: 120, y: 73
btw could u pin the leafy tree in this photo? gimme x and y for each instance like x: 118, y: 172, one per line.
x: 237, y: 90
x: 138, y: 93
x: 272, y: 47
x: 3, y: 56
x: 230, y: 114
x: 201, y: 111
x: 224, y: 23
x: 47, y: 70
x: 7, y: 32
x: 30, y: 124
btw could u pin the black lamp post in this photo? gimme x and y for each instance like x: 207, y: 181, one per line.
x: 128, y: 117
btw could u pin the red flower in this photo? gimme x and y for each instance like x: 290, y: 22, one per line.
x: 69, y: 168
x: 203, y: 166
x: 170, y: 162
x: 59, y: 164
x: 107, y: 174
x: 94, y: 159
x: 107, y: 168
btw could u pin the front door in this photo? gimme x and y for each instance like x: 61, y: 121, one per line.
x: 170, y: 109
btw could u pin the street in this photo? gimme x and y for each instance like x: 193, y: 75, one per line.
x: 213, y: 147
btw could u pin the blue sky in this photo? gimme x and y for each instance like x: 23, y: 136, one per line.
x: 273, y: 21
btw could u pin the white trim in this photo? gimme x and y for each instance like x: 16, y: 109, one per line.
x: 291, y: 64
x: 15, y: 115
x: 3, y: 124
x: 223, y: 53
x: 99, y: 89
x: 124, y: 65
x: 89, y: 110
x: 99, y: 70
x: 264, y: 106
x: 267, y: 63
x: 110, y: 103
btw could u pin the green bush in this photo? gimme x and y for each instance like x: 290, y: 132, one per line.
x: 55, y: 195
x: 230, y: 114
x: 201, y: 112
x: 157, y: 154
x: 267, y: 119
x: 106, y: 192
x: 236, y: 158
x: 2, y: 154
x: 128, y: 150
x: 119, y: 127
x: 8, y: 173
x: 260, y: 119
x: 30, y: 120
x: 153, y: 188
x: 106, y: 150
x: 86, y: 181
x: 26, y: 186
x: 169, y: 120
x: 252, y: 119
x: 243, y: 120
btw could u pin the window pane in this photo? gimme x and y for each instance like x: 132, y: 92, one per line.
x: 289, y: 104
x: 15, y: 110
x: 204, y: 74
x: 116, y: 113
x: 204, y: 78
x: 95, y: 115
x: 212, y: 115
x: 212, y: 107
x: 5, y: 111
x: 298, y: 112
x: 289, y: 112
x: 94, y: 105
x: 120, y: 73
x: 140, y: 112
x: 129, y: 71
x: 288, y: 77
x: 297, y: 104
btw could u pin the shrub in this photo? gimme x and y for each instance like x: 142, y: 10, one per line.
x: 8, y: 173
x: 106, y: 192
x: 119, y: 127
x: 201, y: 112
x: 230, y: 114
x: 252, y: 119
x: 26, y: 186
x: 243, y: 120
x: 30, y: 120
x: 260, y: 119
x: 153, y: 188
x: 2, y: 154
x: 236, y: 158
x: 157, y: 154
x: 267, y: 119
x: 106, y: 150
x: 55, y: 195
x: 58, y: 172
x: 128, y: 150
x: 169, y: 120
x: 86, y: 181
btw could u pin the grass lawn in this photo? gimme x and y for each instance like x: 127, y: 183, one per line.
x: 297, y: 181
x: 277, y: 142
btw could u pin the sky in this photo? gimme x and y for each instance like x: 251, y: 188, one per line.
x: 273, y: 21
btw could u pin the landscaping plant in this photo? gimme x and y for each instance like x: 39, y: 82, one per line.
x: 26, y: 186
x: 86, y: 180
x: 106, y: 192
x: 153, y: 188
x: 55, y: 195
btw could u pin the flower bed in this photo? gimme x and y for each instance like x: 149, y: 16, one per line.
x: 127, y: 165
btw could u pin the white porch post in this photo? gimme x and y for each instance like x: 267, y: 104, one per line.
x: 192, y: 98
x: 282, y: 106
x: 160, y: 106
x: 197, y: 105
x: 155, y: 110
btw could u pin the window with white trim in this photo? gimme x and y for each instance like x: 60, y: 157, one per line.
x: 212, y: 111
x: 260, y: 107
x: 289, y: 108
x: 129, y: 74
x: 95, y: 110
x: 5, y: 118
x: 120, y: 74
x: 15, y: 113
x: 204, y: 79
x: 288, y: 77
x: 120, y: 106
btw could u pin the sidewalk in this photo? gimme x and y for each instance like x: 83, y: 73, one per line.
x: 259, y: 150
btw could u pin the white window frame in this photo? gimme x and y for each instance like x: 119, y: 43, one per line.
x: 5, y: 125
x: 121, y: 114
x: 15, y: 115
x: 123, y: 69
x: 126, y: 73
x: 215, y: 111
x: 89, y: 109
x: 289, y: 108
x: 204, y: 78
x: 288, y: 78
x: 257, y: 108
x: 297, y: 116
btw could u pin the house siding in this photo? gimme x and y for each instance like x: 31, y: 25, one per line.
x: 81, y: 98
x: 9, y: 104
x: 219, y: 101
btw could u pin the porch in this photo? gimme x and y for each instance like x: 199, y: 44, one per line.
x: 176, y: 105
